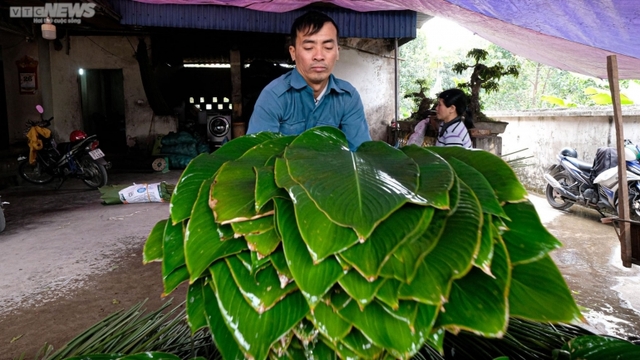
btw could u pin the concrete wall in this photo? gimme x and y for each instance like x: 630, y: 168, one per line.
x: 58, y: 87
x: 545, y: 133
x: 372, y: 75
x: 20, y: 107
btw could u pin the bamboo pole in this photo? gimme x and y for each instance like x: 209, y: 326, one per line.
x: 623, y: 190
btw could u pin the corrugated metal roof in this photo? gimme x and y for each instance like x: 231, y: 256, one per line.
x: 373, y: 25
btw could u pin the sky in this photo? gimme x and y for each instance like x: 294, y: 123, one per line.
x: 457, y: 36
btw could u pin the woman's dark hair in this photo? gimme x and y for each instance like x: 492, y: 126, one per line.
x: 468, y: 119
x: 455, y: 97
x: 310, y: 23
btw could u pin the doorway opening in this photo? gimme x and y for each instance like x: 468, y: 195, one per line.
x: 102, y: 97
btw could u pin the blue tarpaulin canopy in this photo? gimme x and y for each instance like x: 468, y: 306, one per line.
x: 574, y: 35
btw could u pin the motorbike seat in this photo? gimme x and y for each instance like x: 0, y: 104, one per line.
x: 584, y: 166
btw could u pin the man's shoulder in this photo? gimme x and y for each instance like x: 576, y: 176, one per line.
x: 279, y: 85
x: 344, y: 85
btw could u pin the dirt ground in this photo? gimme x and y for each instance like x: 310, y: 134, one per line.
x: 67, y: 261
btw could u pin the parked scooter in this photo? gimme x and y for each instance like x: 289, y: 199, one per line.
x: 80, y: 157
x: 573, y: 181
x: 3, y: 223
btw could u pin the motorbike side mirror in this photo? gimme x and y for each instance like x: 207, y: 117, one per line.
x: 40, y: 109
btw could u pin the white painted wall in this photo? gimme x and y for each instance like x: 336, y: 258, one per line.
x: 372, y: 75
x: 545, y: 133
x: 103, y: 52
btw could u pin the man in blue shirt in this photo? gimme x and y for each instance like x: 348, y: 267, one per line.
x: 309, y: 95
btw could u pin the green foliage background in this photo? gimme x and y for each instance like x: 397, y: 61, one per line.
x: 525, y: 92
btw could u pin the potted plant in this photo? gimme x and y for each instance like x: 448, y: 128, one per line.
x: 483, y: 77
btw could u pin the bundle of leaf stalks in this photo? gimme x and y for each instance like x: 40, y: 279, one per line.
x: 133, y: 332
x: 110, y: 194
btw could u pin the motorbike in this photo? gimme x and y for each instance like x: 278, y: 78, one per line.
x: 572, y: 181
x: 3, y: 223
x: 79, y: 158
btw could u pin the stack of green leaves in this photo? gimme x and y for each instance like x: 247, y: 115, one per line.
x: 294, y: 246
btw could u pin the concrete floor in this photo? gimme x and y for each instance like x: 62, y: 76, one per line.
x: 56, y: 238
x: 590, y: 263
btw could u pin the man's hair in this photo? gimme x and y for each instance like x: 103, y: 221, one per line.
x: 455, y: 97
x: 310, y: 23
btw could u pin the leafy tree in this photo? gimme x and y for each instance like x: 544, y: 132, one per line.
x: 483, y: 77
x: 415, y: 66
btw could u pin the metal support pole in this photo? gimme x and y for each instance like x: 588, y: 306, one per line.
x: 396, y: 91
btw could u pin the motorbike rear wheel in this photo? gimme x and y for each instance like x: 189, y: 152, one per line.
x: 93, y: 174
x: 34, y: 173
x: 553, y: 196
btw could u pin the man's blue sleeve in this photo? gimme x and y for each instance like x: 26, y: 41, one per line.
x: 266, y: 113
x: 354, y: 124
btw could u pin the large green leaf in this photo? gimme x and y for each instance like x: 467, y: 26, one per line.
x: 538, y: 292
x: 436, y: 176
x: 340, y: 349
x: 388, y: 293
x: 175, y: 278
x: 253, y: 332
x: 526, y: 238
x: 322, y: 236
x: 478, y: 302
x: 406, y: 311
x: 173, y: 248
x: 499, y: 174
x: 388, y: 331
x: 202, y: 243
x: 222, y: 336
x: 485, y: 253
x: 153, y: 246
x: 279, y: 262
x: 452, y: 257
x: 355, y: 189
x: 196, y: 315
x: 261, y: 292
x: 329, y: 323
x: 404, y: 263
x: 265, y: 243
x: 313, y: 280
x: 359, y: 288
x: 204, y: 167
x: 404, y: 225
x: 436, y: 340
x: 253, y: 227
x: 233, y: 191
x: 266, y: 188
x: 360, y: 345
x: 480, y: 186
x: 593, y: 347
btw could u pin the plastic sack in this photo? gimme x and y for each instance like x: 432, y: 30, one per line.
x: 417, y: 138
x: 136, y: 193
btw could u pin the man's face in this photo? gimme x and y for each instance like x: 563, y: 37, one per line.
x: 315, y: 55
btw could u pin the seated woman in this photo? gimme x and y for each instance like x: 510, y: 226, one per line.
x: 451, y: 107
